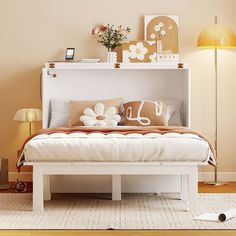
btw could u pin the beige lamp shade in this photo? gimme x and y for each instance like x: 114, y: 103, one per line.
x: 217, y: 36
x: 28, y: 115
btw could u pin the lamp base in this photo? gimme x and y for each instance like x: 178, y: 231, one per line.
x: 216, y: 183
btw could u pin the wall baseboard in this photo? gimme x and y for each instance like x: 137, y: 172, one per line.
x: 23, y: 176
x: 222, y: 176
x: 203, y: 176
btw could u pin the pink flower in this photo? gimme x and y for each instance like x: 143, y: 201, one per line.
x: 99, y: 29
x: 102, y: 27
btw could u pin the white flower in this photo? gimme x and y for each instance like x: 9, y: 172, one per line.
x: 122, y: 31
x: 153, y: 36
x: 153, y: 57
x: 138, y: 51
x: 163, y: 32
x: 157, y: 28
x: 161, y: 24
x: 151, y: 42
x: 99, y: 116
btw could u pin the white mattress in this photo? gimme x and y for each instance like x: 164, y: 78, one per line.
x: 97, y: 147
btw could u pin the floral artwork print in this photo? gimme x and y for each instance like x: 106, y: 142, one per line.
x: 163, y: 29
x: 153, y: 57
x: 139, y: 51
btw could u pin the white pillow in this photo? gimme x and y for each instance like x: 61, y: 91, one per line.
x: 99, y: 116
x: 173, y: 112
x: 59, y: 113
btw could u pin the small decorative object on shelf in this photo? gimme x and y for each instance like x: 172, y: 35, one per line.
x: 70, y: 52
x: 89, y: 60
x: 111, y: 38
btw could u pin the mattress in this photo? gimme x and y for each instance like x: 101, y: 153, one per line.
x: 114, y: 147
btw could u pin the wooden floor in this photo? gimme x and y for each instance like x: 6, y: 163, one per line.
x: 203, y: 188
x: 227, y: 188
x: 118, y: 233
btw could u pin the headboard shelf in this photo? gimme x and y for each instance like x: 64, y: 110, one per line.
x: 78, y: 65
x: 95, y: 81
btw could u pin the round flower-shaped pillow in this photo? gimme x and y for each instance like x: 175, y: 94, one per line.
x: 100, y: 116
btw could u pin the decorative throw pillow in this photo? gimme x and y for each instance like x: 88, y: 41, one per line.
x: 100, y: 116
x: 145, y: 113
x: 59, y: 113
x: 76, y: 109
x: 174, y: 112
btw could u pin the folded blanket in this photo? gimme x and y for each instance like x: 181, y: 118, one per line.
x: 120, y: 130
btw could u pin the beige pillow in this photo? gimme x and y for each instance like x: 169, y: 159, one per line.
x: 145, y: 113
x: 76, y: 109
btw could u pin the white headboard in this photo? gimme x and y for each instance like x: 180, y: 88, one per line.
x: 77, y: 81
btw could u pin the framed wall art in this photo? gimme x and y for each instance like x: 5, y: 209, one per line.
x: 164, y: 29
x: 139, y: 51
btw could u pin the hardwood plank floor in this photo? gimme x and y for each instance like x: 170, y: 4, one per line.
x: 203, y: 188
x: 118, y: 233
x: 227, y: 188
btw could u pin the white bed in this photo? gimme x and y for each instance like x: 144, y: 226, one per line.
x: 151, y: 154
x: 98, y: 147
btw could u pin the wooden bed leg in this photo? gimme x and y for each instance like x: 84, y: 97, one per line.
x: 46, y: 188
x: 116, y: 187
x: 193, y: 189
x: 37, y: 189
x: 184, y: 187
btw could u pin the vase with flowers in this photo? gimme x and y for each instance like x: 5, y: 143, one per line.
x: 111, y: 38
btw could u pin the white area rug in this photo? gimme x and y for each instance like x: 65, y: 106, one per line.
x: 135, y: 211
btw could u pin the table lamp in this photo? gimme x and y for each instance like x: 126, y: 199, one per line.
x: 28, y: 115
x: 216, y: 37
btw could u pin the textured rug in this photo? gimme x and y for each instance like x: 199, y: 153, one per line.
x: 135, y: 211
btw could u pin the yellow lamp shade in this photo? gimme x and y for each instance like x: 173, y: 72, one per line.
x: 28, y: 115
x: 217, y: 36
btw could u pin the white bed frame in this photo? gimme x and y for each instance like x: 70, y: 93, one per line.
x: 43, y: 171
x: 132, y: 81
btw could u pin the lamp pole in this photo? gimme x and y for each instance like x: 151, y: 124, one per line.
x: 215, y: 182
x: 30, y: 127
x: 216, y: 107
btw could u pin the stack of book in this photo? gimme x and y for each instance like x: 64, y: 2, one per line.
x: 89, y: 60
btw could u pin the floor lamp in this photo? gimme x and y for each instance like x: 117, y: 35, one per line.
x: 216, y: 37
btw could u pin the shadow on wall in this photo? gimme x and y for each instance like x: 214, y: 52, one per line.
x: 19, y: 90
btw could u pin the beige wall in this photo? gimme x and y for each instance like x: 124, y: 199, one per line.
x: 35, y: 31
